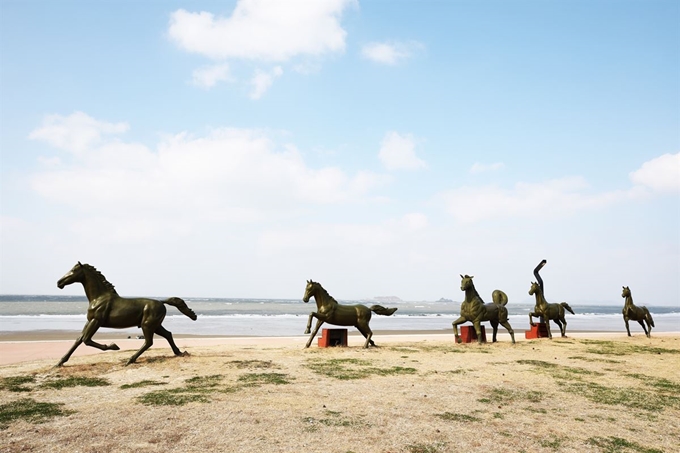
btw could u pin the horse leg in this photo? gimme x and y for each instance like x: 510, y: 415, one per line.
x: 508, y: 327
x: 559, y: 324
x: 163, y: 332
x: 316, y: 329
x: 547, y: 327
x: 478, y: 328
x: 644, y: 328
x: 455, y: 323
x: 86, y: 337
x: 532, y: 315
x: 494, y: 325
x: 625, y: 319
x: 148, y: 341
x: 309, y: 322
x: 367, y: 333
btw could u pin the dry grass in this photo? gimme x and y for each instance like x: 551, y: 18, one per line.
x: 564, y: 395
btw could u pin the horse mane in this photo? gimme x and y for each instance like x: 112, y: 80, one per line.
x: 93, y: 270
x: 324, y: 293
x: 540, y: 293
x: 476, y: 296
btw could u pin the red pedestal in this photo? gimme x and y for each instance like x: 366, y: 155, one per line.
x: 537, y: 331
x: 333, y: 337
x: 468, y: 334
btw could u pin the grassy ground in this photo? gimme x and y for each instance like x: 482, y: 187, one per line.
x: 564, y: 395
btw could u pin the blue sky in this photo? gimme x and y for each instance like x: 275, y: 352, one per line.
x: 236, y: 149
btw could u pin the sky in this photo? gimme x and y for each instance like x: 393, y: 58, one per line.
x: 239, y: 148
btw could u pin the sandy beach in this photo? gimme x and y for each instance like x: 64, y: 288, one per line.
x: 417, y: 392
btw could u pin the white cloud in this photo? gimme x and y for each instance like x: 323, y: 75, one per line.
x: 316, y: 236
x: 262, y: 81
x: 208, y: 76
x: 389, y: 53
x: 661, y: 174
x: 397, y: 152
x: 562, y: 196
x: 76, y: 132
x: 267, y: 30
x: 232, y: 175
x: 481, y: 168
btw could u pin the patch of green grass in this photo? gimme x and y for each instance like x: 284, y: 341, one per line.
x: 591, y: 359
x: 257, y: 379
x: 540, y: 410
x: 464, y: 418
x: 347, y: 369
x: 16, y: 383
x: 204, y: 382
x: 403, y: 349
x: 614, y: 444
x: 505, y: 396
x: 630, y: 397
x: 172, y: 397
x: 241, y: 364
x: 145, y: 383
x: 196, y: 389
x: 620, y: 348
x: 455, y: 348
x: 331, y: 419
x: 436, y: 447
x: 555, y: 444
x: 661, y: 384
x: 76, y: 381
x: 29, y: 410
x: 498, y: 415
x: 556, y: 369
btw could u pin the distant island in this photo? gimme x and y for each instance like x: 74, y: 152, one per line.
x: 443, y: 299
x: 387, y: 299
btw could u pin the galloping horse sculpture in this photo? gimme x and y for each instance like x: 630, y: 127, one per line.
x: 330, y: 311
x: 635, y: 313
x: 474, y: 309
x: 547, y: 312
x: 108, y: 309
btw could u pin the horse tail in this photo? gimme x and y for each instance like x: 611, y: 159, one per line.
x: 380, y: 310
x: 181, y: 306
x: 499, y: 297
x: 648, y: 317
x: 567, y: 307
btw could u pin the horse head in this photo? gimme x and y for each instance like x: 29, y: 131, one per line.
x: 626, y: 292
x: 535, y: 288
x: 466, y: 282
x: 310, y: 289
x: 76, y: 274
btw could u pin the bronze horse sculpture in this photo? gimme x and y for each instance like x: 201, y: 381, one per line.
x: 475, y: 310
x: 547, y: 312
x: 635, y: 313
x: 108, y: 309
x: 330, y: 311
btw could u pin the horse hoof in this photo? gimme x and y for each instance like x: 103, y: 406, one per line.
x: 114, y: 347
x: 307, y: 332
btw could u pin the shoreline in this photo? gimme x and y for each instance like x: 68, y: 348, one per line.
x: 49, y: 345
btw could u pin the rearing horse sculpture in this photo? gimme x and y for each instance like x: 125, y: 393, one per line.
x: 330, y: 311
x: 474, y: 309
x: 635, y: 313
x: 547, y: 312
x: 108, y: 309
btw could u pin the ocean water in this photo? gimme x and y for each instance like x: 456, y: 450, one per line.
x: 284, y: 317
